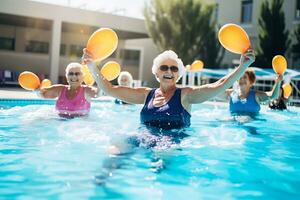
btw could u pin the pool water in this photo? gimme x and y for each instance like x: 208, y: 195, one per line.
x: 43, y: 156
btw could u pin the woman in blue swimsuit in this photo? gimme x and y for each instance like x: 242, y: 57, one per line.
x: 168, y: 107
x: 245, y: 100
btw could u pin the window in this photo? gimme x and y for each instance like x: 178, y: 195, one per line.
x: 76, y: 50
x: 297, y: 14
x: 130, y: 57
x: 246, y: 16
x: 37, y: 47
x: 63, y: 48
x: 7, y: 43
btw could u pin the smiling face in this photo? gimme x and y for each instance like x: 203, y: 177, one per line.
x: 244, y: 81
x: 125, y: 80
x: 74, y: 76
x: 247, y: 80
x: 167, y: 72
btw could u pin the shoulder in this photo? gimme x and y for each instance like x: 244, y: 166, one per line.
x: 186, y: 90
x: 145, y: 90
x: 57, y: 87
x: 87, y: 88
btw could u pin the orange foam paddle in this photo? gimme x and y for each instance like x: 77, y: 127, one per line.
x: 102, y: 43
x: 197, y: 65
x: 88, y: 78
x: 46, y: 83
x: 29, y: 81
x: 111, y: 70
x: 234, y: 38
x: 279, y: 64
x: 287, y: 90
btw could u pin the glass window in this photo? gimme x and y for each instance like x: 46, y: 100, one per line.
x: 246, y: 16
x: 130, y: 57
x: 76, y: 50
x: 37, y: 47
x: 63, y: 48
x: 7, y: 43
x: 297, y: 14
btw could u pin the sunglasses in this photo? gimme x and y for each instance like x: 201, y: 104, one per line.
x: 74, y: 73
x: 165, y: 68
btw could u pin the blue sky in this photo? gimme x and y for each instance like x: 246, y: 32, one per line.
x: 130, y: 8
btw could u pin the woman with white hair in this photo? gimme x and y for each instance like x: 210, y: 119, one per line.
x: 168, y: 107
x: 74, y: 98
x: 124, y: 79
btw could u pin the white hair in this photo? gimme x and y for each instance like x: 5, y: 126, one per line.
x: 168, y: 54
x: 73, y: 65
x: 128, y: 75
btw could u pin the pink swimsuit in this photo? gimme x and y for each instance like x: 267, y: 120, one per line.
x: 78, y: 106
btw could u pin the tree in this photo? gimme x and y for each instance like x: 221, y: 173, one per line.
x: 187, y: 27
x: 296, y: 46
x: 273, y: 38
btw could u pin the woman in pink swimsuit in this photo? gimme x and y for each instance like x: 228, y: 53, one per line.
x: 74, y: 98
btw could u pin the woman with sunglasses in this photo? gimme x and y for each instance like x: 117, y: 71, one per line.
x: 74, y: 98
x: 168, y: 107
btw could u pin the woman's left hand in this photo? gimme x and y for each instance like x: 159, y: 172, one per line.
x: 247, y: 58
x: 278, y: 78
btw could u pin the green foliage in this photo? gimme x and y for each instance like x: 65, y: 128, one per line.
x: 296, y: 46
x: 273, y: 37
x: 186, y: 27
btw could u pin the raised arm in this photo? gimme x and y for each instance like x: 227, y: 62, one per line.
x: 273, y: 94
x: 128, y: 94
x: 50, y: 92
x: 91, y: 92
x: 208, y: 91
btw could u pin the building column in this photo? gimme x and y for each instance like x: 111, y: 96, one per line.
x: 54, y: 50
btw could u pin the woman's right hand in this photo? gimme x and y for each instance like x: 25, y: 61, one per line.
x: 247, y: 58
x: 278, y: 78
x: 87, y: 57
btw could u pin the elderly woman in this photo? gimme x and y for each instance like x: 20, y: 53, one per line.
x: 74, y: 98
x: 245, y: 100
x: 168, y: 107
x: 124, y: 79
x: 280, y: 102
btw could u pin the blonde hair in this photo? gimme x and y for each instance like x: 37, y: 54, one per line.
x: 168, y: 54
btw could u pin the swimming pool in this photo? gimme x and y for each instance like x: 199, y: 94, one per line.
x: 45, y: 157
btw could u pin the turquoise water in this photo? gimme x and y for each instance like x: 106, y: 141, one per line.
x: 45, y: 157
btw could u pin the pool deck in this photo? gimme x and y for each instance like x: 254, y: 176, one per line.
x: 19, y: 93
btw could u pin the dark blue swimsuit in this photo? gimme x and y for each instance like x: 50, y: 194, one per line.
x: 169, y: 116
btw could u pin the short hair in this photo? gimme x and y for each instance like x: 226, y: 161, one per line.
x: 125, y: 73
x: 251, y: 75
x: 168, y: 54
x: 73, y: 65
